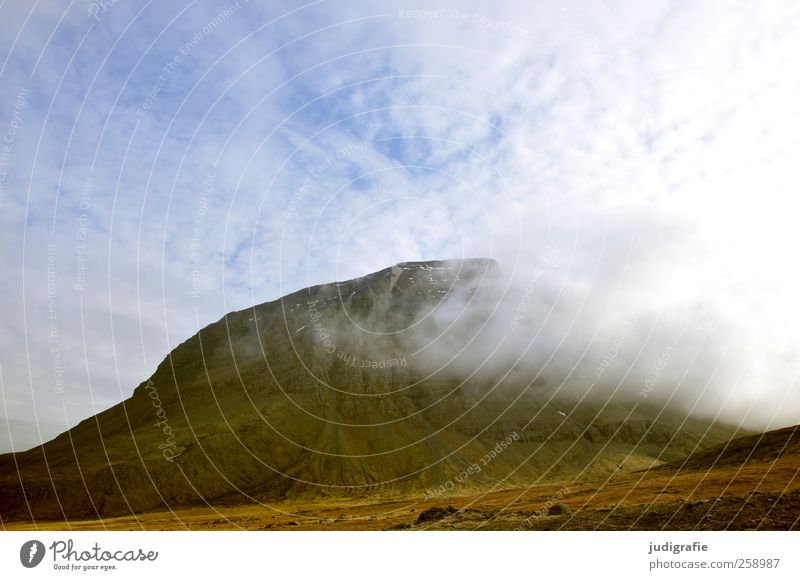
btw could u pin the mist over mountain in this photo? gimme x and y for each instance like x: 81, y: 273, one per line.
x: 395, y: 384
x: 642, y: 338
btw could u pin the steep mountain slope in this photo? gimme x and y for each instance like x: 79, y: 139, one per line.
x: 331, y: 392
x: 761, y: 448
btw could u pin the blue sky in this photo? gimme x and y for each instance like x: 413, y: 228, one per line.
x: 290, y: 144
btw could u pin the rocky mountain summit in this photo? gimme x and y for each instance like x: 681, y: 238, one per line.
x: 331, y: 391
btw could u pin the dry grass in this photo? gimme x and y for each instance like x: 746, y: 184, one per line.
x: 756, y: 495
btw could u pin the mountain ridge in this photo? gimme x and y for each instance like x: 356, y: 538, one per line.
x: 268, y: 404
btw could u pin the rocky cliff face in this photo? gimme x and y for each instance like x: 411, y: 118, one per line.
x: 329, y: 392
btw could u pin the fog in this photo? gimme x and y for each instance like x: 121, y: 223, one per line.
x: 616, y: 310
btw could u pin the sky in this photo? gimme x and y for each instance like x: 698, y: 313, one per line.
x: 632, y: 167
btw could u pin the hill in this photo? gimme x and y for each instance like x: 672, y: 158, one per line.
x: 330, y: 393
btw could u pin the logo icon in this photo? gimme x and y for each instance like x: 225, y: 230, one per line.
x: 31, y: 553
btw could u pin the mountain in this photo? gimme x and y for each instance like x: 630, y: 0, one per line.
x: 761, y: 448
x: 358, y: 389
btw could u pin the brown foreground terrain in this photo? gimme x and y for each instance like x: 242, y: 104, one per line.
x: 749, y: 483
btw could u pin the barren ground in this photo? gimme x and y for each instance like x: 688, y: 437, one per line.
x: 760, y: 494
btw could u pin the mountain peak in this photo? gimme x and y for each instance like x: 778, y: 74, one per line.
x: 455, y: 263
x: 326, y: 392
